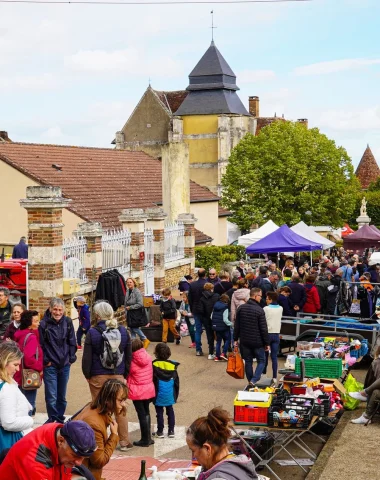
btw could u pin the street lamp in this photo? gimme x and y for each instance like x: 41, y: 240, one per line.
x: 309, y: 214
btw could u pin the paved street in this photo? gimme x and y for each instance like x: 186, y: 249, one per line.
x: 203, y: 385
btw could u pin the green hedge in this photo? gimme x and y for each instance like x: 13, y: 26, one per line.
x: 215, y: 257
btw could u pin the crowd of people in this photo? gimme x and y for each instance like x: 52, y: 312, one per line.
x: 240, y: 309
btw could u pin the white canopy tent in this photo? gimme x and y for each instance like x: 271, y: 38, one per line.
x: 307, y: 232
x: 263, y: 231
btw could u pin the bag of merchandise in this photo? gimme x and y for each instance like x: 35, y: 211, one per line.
x: 235, y: 365
x: 351, y: 385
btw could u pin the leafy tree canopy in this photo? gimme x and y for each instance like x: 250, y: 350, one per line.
x: 286, y: 171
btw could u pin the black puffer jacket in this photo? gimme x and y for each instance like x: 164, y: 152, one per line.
x: 251, y: 326
x: 207, y: 302
x: 195, y: 294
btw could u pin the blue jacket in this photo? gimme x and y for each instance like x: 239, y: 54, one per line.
x: 84, y: 316
x: 57, y: 340
x: 91, y: 364
x: 166, y: 382
x: 20, y: 250
x: 218, y: 324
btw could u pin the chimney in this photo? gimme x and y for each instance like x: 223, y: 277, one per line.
x: 254, y: 106
x: 304, y: 121
x: 4, y: 136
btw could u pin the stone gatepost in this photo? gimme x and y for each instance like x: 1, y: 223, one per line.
x: 134, y: 219
x: 92, y: 232
x: 156, y: 221
x: 44, y: 206
x: 189, y: 220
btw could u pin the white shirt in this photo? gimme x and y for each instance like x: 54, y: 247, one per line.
x: 273, y: 315
x: 14, y: 409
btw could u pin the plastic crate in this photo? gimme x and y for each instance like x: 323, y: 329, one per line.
x: 250, y: 415
x: 280, y: 396
x: 323, y: 368
x: 302, y: 423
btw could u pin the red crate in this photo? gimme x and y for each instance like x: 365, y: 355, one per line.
x: 298, y: 390
x: 250, y: 414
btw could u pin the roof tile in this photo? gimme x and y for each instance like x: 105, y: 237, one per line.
x: 368, y: 170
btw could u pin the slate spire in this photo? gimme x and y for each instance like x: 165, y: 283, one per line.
x: 212, y: 87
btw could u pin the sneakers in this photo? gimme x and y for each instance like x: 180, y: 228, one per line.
x: 158, y: 434
x: 223, y: 357
x: 192, y: 345
x: 361, y: 420
x: 211, y: 356
x: 178, y: 341
x: 125, y: 448
x: 199, y: 354
x: 171, y: 434
x: 358, y: 396
x: 217, y: 359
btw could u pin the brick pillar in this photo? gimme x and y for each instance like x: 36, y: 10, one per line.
x: 156, y: 221
x: 44, y: 206
x: 92, y: 232
x: 189, y: 220
x: 134, y: 219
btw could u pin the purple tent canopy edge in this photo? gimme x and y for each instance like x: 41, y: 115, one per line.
x: 283, y: 240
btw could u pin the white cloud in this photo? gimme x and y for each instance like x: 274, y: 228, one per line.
x: 335, y: 66
x: 365, y: 119
x: 250, y: 76
x: 53, y: 132
x: 122, y: 61
x: 45, y: 81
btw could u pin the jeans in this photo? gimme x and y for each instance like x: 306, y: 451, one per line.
x: 55, y: 380
x: 198, y: 332
x: 160, y: 418
x: 206, y: 322
x: 136, y: 332
x: 80, y: 333
x: 248, y: 355
x: 224, y: 335
x: 274, y: 343
x: 31, y: 396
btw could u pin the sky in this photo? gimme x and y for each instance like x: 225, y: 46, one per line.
x: 72, y: 74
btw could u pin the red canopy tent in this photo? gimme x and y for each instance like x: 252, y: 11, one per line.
x: 347, y: 230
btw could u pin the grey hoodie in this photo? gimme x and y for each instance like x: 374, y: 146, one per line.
x: 239, y: 467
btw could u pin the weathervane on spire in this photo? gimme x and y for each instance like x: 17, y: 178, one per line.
x: 212, y: 25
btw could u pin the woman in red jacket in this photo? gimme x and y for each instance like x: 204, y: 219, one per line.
x: 28, y: 340
x: 141, y: 389
x: 313, y: 303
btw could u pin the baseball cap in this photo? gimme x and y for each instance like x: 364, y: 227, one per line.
x: 81, y: 299
x: 80, y: 438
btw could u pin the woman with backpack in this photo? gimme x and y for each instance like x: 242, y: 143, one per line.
x: 107, y: 354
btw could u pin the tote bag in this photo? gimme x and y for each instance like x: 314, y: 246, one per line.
x: 136, y: 317
x: 235, y: 365
x: 31, y: 379
x: 7, y: 438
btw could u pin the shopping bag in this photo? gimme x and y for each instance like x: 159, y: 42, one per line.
x: 351, y: 385
x: 235, y: 364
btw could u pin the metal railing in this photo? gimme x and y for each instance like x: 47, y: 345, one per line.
x: 116, y: 251
x: 73, y: 253
x: 174, y: 241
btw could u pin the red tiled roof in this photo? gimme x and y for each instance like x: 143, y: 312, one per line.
x: 264, y: 121
x: 368, y: 170
x: 100, y: 181
x: 222, y: 212
x: 201, y: 237
x: 172, y: 100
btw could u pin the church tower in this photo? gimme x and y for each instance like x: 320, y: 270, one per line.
x: 211, y: 119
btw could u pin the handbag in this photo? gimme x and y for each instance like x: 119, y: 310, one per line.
x: 31, y: 379
x: 235, y: 364
x: 137, y: 317
x: 7, y: 438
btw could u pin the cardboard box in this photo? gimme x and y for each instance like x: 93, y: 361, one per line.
x: 70, y: 285
x: 148, y: 301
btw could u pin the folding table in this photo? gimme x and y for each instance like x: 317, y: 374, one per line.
x: 283, y: 438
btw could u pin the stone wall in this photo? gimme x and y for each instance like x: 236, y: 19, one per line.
x: 173, y: 275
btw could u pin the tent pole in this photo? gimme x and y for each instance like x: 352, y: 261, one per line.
x: 311, y: 258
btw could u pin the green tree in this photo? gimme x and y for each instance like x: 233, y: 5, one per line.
x: 372, y: 195
x: 286, y: 171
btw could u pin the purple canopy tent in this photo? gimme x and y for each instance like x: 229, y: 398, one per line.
x: 283, y: 240
x: 365, y: 237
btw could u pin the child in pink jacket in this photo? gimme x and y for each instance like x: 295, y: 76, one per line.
x: 141, y: 389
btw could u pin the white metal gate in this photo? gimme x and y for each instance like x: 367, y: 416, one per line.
x: 148, y: 261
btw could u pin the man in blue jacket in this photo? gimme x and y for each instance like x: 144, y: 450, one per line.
x: 84, y: 318
x: 58, y: 342
x: 21, y: 249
